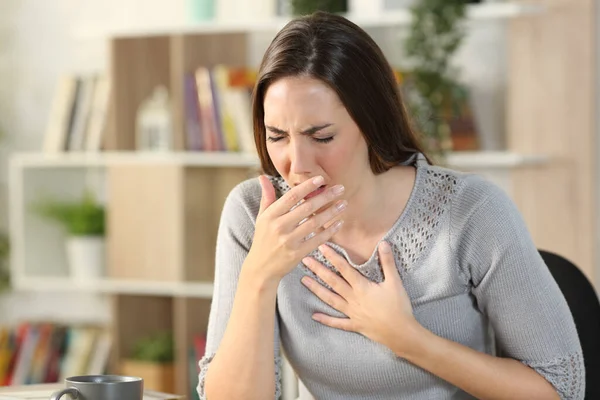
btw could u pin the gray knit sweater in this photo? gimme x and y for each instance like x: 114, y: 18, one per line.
x: 467, y: 262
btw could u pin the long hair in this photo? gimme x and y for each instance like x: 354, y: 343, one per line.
x: 337, y: 52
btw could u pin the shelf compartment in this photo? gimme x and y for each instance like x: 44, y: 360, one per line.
x: 137, y: 317
x: 163, y: 220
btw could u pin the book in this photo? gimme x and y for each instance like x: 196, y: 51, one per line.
x: 192, y: 115
x: 208, y: 121
x: 82, y: 111
x: 98, y: 114
x: 61, y: 114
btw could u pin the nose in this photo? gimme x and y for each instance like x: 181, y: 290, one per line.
x: 301, y: 157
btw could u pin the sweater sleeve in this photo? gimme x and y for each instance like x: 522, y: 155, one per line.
x: 514, y: 288
x: 234, y: 238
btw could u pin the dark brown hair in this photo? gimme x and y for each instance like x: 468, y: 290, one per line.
x: 334, y: 50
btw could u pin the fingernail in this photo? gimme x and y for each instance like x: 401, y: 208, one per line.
x: 384, y: 247
x: 322, y: 248
x: 338, y: 225
x: 338, y: 189
x: 306, y: 261
x: 318, y: 180
x: 341, y: 205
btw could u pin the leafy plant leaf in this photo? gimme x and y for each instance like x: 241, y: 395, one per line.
x: 303, y: 7
x: 436, y: 32
x: 159, y: 348
x: 81, y: 218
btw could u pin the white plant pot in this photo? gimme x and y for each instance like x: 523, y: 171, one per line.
x: 86, y: 257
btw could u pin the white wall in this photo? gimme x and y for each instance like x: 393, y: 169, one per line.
x: 35, y: 49
x: 37, y: 45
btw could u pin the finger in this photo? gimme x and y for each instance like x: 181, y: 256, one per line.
x: 388, y: 264
x: 314, y: 239
x: 334, y: 322
x: 317, y: 223
x: 314, y: 205
x: 352, y: 276
x: 333, y: 300
x: 337, y: 283
x: 296, y: 194
x: 268, y: 193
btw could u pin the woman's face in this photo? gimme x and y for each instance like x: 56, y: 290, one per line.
x: 310, y: 133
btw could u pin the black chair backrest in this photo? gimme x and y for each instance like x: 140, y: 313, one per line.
x: 585, y: 307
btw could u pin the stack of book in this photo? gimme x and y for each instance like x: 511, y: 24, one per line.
x: 46, y: 352
x: 78, y: 114
x: 218, y: 109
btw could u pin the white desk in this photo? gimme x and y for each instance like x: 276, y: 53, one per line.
x: 43, y: 392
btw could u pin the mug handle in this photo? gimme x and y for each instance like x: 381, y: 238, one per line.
x: 72, y: 391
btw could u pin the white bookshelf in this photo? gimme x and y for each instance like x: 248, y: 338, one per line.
x: 391, y: 18
x: 38, y: 261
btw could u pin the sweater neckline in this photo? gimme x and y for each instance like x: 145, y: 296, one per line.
x: 420, y: 164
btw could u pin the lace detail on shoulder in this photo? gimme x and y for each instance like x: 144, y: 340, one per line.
x: 424, y: 217
x: 206, y: 360
x: 566, y: 374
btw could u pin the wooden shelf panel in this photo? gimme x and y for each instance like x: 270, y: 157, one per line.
x: 466, y: 159
x: 201, y: 290
x: 474, y: 160
x: 104, y: 159
x: 484, y: 11
x: 165, y: 229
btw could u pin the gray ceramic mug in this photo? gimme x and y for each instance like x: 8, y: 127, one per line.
x: 102, y: 387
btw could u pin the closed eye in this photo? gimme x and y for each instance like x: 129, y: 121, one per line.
x: 274, y: 139
x: 278, y: 134
x: 323, y: 140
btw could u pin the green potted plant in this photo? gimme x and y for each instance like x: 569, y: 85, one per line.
x: 84, y: 224
x: 433, y: 92
x: 152, y: 358
x: 303, y: 7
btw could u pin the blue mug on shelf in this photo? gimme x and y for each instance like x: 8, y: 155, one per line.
x: 102, y: 387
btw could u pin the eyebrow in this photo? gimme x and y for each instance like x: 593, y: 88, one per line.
x: 309, y: 131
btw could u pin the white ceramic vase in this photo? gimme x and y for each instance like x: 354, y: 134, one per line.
x: 86, y: 257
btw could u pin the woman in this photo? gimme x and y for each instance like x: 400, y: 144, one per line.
x: 379, y: 272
